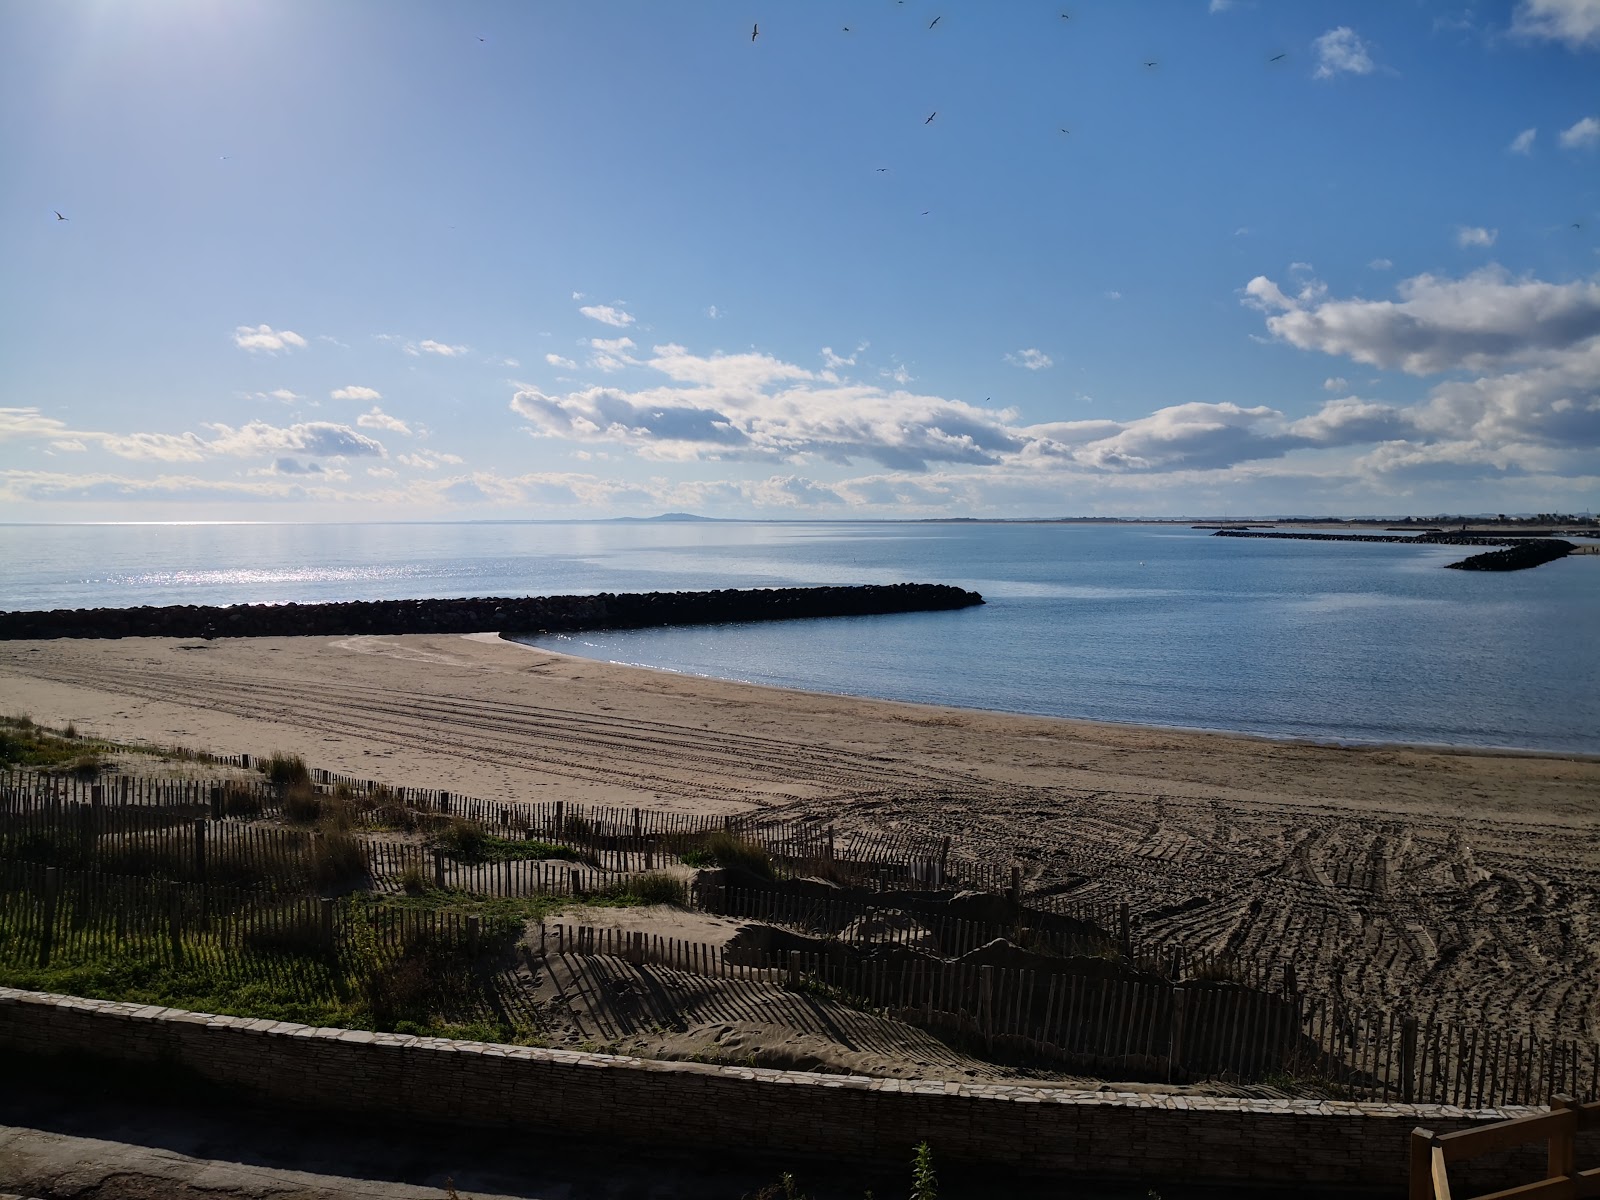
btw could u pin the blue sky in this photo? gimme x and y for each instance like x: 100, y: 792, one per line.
x: 396, y: 260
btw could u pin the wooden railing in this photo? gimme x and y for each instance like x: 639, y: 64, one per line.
x: 1432, y: 1154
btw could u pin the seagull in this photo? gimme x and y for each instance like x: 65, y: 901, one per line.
x: 1066, y: 131
x: 881, y: 170
x: 1150, y: 64
x: 931, y: 116
x: 935, y: 21
x: 847, y: 29
x: 926, y: 211
x: 1276, y: 57
x: 754, y: 30
x: 59, y: 217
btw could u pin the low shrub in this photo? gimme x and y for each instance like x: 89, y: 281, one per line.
x: 413, y: 880
x: 240, y: 801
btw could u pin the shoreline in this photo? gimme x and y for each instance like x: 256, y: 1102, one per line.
x: 484, y: 716
x: 1285, y: 739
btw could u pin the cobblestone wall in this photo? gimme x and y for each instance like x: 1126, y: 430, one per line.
x: 1108, y: 1134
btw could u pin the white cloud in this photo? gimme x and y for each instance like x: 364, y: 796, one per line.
x: 1335, y: 383
x: 713, y: 312
x: 70, y: 446
x: 835, y: 361
x: 1481, y: 322
x: 356, y: 393
x: 1218, y: 6
x: 265, y: 338
x: 566, y: 364
x: 1523, y: 142
x: 157, y: 447
x: 383, y: 472
x: 1475, y: 235
x: 1341, y: 50
x: 428, y: 460
x: 376, y: 418
x: 1582, y: 134
x: 282, y: 395
x: 1033, y: 360
x: 1113, y: 295
x: 429, y: 346
x: 607, y: 314
x: 1575, y: 22
x: 322, y: 439
x: 1381, y: 264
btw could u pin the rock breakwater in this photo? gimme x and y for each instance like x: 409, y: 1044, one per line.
x: 530, y: 614
x: 1518, y: 558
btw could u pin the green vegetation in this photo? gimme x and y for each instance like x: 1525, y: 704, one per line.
x: 723, y: 849
x: 468, y: 842
x: 24, y: 744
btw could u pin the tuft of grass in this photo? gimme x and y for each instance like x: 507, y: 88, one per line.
x: 24, y: 744
x: 655, y: 887
x: 285, y: 769
x: 336, y: 859
x: 70, y: 732
x: 302, y: 805
x: 240, y: 801
x: 413, y: 880
x: 723, y: 849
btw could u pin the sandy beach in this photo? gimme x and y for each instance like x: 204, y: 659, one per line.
x: 1470, y: 879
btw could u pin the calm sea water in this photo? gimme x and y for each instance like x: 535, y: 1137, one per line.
x: 1158, y: 625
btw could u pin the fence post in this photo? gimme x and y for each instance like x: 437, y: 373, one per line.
x: 472, y: 933
x: 326, y: 904
x: 444, y: 802
x: 175, y: 920
x: 1124, y: 930
x: 1016, y: 885
x: 216, y: 802
x: 1408, y: 1060
x: 438, y: 868
x: 561, y: 818
x: 52, y: 891
x: 830, y: 843
x: 986, y: 1004
x: 1563, y: 1144
x: 1421, y: 1182
x: 200, y: 849
x: 1175, y: 1036
x: 575, y: 881
x: 794, y: 970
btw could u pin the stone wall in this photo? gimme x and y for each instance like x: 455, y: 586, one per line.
x: 1108, y: 1134
x: 528, y: 614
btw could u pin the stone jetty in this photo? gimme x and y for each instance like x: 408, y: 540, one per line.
x: 531, y: 614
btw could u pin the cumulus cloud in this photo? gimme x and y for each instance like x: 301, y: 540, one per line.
x: 1033, y: 360
x: 1335, y: 383
x: 429, y: 346
x: 428, y: 460
x: 1475, y: 235
x: 566, y: 364
x: 1523, y: 142
x: 282, y: 395
x: 1582, y: 134
x: 265, y: 339
x: 356, y: 393
x: 1575, y: 22
x: 1483, y: 321
x: 320, y: 439
x: 376, y: 418
x: 607, y: 314
x: 1341, y: 51
x: 1534, y: 347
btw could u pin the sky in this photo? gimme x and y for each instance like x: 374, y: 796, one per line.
x: 302, y: 261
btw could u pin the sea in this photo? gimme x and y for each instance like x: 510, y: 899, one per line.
x: 1151, y: 624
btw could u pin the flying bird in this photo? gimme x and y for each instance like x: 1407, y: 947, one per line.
x: 1276, y: 57
x: 59, y: 217
x: 881, y: 170
x: 926, y: 211
x: 1150, y: 64
x: 754, y: 30
x: 1066, y: 131
x: 847, y: 29
x: 931, y: 116
x: 935, y: 21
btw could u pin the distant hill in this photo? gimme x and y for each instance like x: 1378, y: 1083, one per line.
x: 664, y: 518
